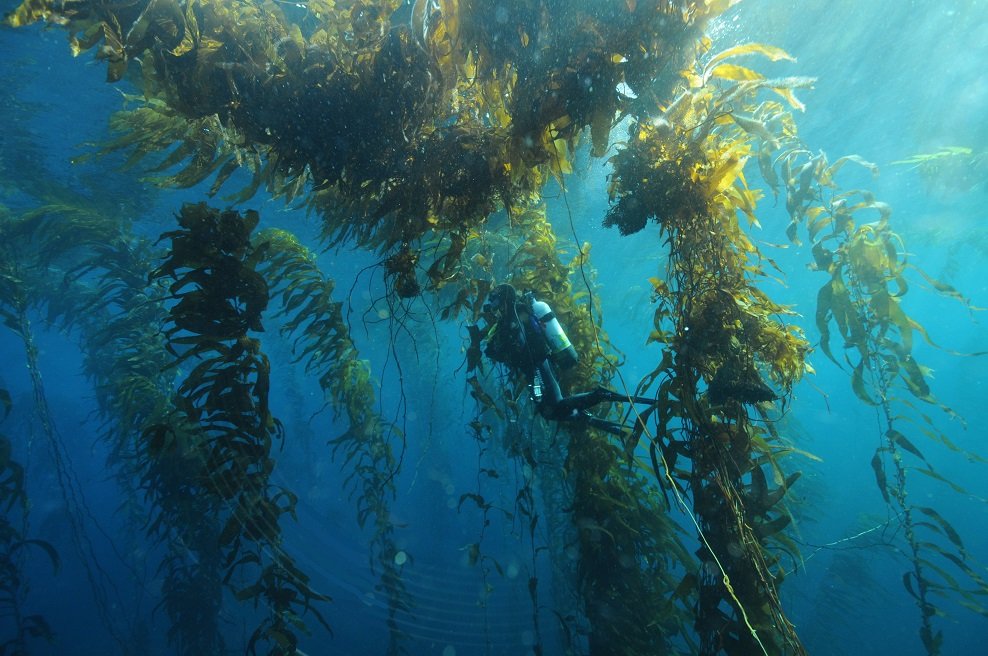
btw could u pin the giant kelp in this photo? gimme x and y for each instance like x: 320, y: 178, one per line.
x: 14, y: 545
x: 631, y: 556
x: 28, y: 254
x: 951, y: 168
x: 853, y: 242
x: 109, y: 303
x: 725, y: 343
x: 405, y: 125
x: 220, y: 297
x: 92, y: 276
x: 402, y: 128
x: 104, y: 296
x: 521, y: 121
x: 322, y: 343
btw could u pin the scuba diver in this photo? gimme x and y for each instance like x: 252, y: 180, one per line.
x: 524, y: 335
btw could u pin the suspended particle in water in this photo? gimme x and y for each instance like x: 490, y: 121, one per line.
x: 401, y: 558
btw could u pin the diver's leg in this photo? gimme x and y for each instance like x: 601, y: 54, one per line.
x: 611, y: 427
x: 617, y: 397
x: 586, y: 400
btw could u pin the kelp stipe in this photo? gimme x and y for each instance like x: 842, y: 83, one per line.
x: 853, y: 242
x: 14, y: 547
x: 103, y: 298
x: 321, y: 342
x: 220, y: 298
x: 117, y: 317
x: 29, y: 245
x: 726, y: 353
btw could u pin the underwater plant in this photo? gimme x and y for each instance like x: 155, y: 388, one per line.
x: 321, y: 342
x: 407, y: 127
x: 728, y: 354
x: 14, y: 544
x: 951, y: 168
x: 863, y: 302
x: 618, y: 518
x: 117, y: 318
x: 219, y: 297
x: 30, y: 244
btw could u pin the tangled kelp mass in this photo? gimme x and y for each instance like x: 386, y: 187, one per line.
x: 432, y: 135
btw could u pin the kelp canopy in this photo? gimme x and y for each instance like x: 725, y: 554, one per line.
x: 426, y: 133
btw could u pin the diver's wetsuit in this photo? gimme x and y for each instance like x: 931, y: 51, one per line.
x: 517, y: 340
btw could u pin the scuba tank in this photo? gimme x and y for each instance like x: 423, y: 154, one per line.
x: 560, y: 349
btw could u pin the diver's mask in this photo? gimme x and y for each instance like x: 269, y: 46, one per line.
x: 500, y: 298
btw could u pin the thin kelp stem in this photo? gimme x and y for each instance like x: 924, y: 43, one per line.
x: 105, y: 593
x: 99, y: 293
x: 321, y: 342
x: 14, y: 550
x: 932, y: 639
x: 853, y: 243
x: 881, y: 377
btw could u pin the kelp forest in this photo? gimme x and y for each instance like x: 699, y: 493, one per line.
x: 440, y: 141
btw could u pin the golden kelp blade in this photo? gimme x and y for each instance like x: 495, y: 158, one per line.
x: 30, y: 11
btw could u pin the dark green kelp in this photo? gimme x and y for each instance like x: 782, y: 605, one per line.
x: 15, y: 547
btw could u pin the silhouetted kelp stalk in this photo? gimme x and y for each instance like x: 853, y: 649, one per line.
x: 321, y: 342
x: 724, y: 340
x: 14, y: 548
x: 853, y: 242
x: 498, y: 433
x: 220, y: 297
x: 29, y: 244
x: 103, y: 296
x: 118, y: 317
x: 482, y: 432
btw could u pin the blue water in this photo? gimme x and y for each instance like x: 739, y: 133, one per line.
x: 895, y: 78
